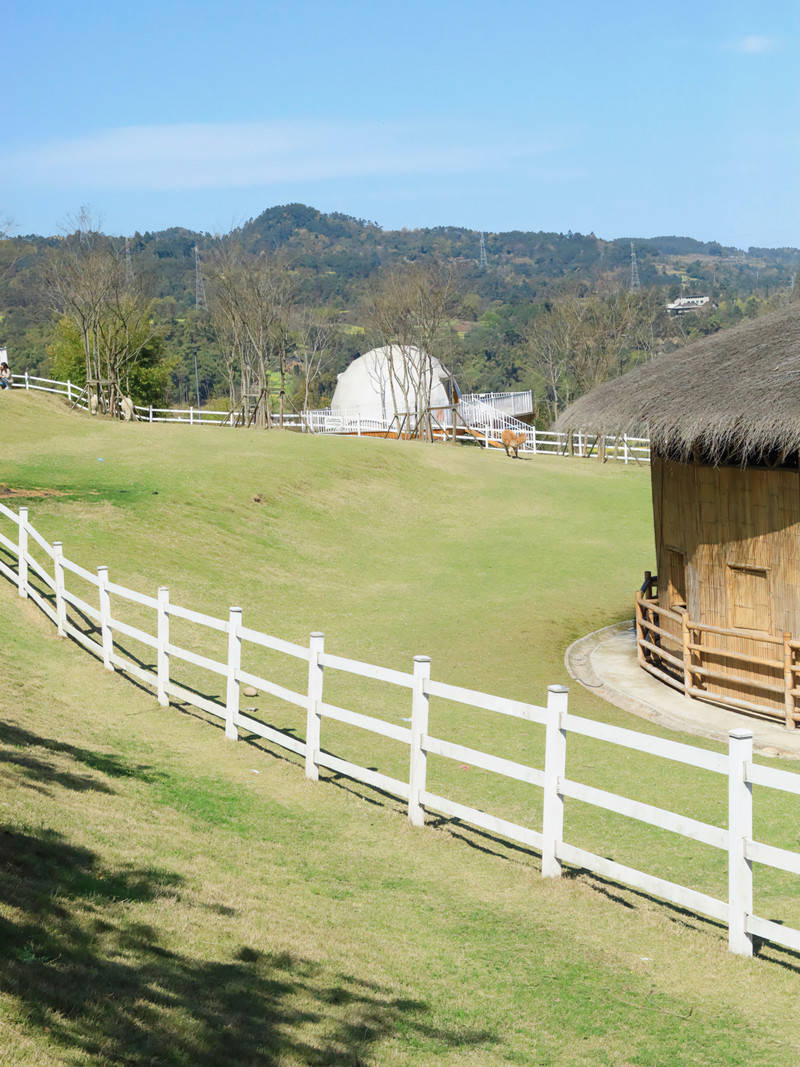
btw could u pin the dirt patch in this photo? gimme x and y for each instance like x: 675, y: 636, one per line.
x: 7, y: 490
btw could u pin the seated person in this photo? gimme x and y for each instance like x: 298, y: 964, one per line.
x: 5, y: 376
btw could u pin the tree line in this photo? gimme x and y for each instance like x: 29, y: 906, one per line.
x: 263, y: 340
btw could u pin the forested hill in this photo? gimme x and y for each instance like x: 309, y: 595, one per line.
x: 336, y: 253
x: 335, y: 261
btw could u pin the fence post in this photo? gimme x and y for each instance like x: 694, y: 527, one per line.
x: 740, y: 831
x: 27, y: 383
x: 420, y: 704
x: 555, y: 768
x: 788, y: 681
x: 58, y: 575
x: 162, y: 654
x: 22, y: 553
x: 234, y: 664
x: 151, y: 413
x: 316, y: 646
x: 69, y: 391
x: 105, y: 618
x: 534, y: 440
x: 686, y: 640
x: 625, y: 446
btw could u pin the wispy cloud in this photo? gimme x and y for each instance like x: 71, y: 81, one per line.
x: 246, y: 154
x: 753, y: 45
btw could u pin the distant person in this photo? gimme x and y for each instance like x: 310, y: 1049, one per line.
x: 5, y: 376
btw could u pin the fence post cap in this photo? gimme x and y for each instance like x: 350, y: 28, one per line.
x: 740, y: 734
x: 316, y: 633
x: 558, y: 689
x: 102, y: 567
x: 58, y: 544
x: 422, y: 659
x: 237, y: 610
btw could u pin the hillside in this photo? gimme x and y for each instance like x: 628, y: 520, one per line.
x: 167, y: 896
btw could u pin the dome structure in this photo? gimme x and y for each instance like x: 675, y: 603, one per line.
x: 390, y: 381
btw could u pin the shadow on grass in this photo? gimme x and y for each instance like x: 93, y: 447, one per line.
x: 87, y: 974
x: 87, y: 979
x: 38, y: 772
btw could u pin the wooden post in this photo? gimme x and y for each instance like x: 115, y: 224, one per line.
x: 638, y: 617
x: 601, y: 448
x: 740, y: 832
x: 570, y: 443
x: 316, y: 646
x: 686, y: 638
x: 58, y: 576
x: 105, y: 618
x: 697, y: 656
x: 420, y: 705
x: 788, y: 680
x: 234, y: 665
x: 22, y: 552
x: 555, y: 766
x: 163, y: 644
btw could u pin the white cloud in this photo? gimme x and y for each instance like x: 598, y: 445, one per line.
x: 753, y: 45
x: 247, y: 154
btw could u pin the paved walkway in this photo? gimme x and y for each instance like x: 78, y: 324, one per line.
x: 605, y: 662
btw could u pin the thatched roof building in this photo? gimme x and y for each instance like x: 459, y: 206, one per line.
x: 721, y: 621
x: 731, y: 397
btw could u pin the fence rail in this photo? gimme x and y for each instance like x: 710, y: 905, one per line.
x: 485, y: 414
x: 747, y: 671
x: 85, y: 622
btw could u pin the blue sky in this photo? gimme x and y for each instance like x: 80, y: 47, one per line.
x: 623, y: 119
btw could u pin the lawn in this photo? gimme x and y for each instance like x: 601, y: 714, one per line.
x: 167, y: 897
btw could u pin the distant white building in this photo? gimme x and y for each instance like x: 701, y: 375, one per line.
x: 687, y: 303
x: 391, y: 381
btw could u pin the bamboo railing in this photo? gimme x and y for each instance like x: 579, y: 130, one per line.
x: 708, y: 663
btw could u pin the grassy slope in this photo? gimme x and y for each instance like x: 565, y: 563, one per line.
x: 161, y: 902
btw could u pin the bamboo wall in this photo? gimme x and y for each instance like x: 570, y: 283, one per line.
x: 728, y: 546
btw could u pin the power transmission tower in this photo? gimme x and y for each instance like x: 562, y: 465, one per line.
x: 199, y: 284
x: 128, y: 264
x: 636, y: 285
x: 482, y: 257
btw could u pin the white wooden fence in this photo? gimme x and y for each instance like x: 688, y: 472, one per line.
x: 486, y: 420
x: 49, y: 590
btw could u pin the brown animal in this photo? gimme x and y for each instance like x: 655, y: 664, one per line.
x: 512, y: 442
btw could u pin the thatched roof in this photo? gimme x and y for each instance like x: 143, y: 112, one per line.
x: 735, y: 394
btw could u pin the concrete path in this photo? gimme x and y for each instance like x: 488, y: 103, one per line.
x: 605, y: 662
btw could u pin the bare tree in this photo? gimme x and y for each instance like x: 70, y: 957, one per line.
x: 87, y: 280
x: 408, y: 312
x: 315, y: 336
x: 250, y: 300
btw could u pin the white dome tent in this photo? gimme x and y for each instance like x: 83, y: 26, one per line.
x: 395, y: 382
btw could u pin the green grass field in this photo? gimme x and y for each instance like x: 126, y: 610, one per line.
x: 169, y: 897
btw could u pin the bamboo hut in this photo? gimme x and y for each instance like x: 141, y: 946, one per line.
x: 721, y: 621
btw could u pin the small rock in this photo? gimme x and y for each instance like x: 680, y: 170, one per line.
x: 250, y: 691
